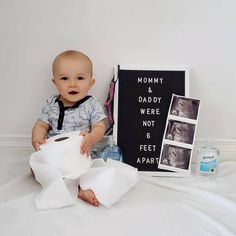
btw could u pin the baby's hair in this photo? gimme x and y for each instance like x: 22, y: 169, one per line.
x: 72, y: 54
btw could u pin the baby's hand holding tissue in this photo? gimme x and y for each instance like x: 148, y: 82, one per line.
x: 91, y: 138
x: 63, y: 153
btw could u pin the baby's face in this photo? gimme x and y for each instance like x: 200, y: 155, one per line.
x: 185, y: 104
x: 181, y: 129
x: 73, y: 79
x: 175, y: 156
x: 183, y: 108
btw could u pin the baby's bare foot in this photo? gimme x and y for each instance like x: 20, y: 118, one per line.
x: 88, y: 196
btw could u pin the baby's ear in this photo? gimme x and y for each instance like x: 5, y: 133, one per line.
x: 92, y: 82
x: 53, y: 80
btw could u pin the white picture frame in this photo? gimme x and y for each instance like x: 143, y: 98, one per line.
x: 116, y: 114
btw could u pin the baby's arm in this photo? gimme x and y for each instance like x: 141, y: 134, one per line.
x: 96, y: 134
x: 39, y: 133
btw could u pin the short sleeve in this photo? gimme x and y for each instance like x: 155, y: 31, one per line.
x: 45, y: 111
x: 97, y: 113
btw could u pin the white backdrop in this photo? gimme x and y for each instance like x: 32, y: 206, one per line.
x: 198, y: 34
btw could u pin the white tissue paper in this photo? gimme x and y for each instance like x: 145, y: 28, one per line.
x: 57, y: 160
x: 109, y: 181
x: 60, y: 167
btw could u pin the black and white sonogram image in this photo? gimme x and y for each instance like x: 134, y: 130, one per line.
x: 185, y: 107
x: 180, y: 131
x: 177, y: 157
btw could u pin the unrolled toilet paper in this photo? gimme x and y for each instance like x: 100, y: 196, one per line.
x: 109, y: 181
x: 59, y: 159
x: 59, y: 167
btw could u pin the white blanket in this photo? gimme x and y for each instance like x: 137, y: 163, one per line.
x: 155, y: 206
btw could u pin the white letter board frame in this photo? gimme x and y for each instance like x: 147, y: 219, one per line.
x: 154, y: 170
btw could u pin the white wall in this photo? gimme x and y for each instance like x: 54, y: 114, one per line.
x: 199, y: 34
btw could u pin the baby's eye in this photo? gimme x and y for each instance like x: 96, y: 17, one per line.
x: 64, y: 78
x: 181, y: 104
x: 173, y: 153
x: 80, y: 78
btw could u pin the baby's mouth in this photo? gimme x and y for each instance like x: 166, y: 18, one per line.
x: 73, y: 92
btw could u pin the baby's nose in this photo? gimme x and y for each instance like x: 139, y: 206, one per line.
x: 73, y: 82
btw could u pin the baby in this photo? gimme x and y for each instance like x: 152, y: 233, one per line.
x: 174, y: 156
x: 180, y: 132
x: 72, y: 109
x: 184, y: 108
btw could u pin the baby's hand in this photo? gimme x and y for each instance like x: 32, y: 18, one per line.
x: 86, y: 144
x: 36, y: 143
x: 170, y: 136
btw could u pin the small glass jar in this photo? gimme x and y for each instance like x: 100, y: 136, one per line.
x: 98, y: 147
x: 207, y: 164
x: 112, y: 151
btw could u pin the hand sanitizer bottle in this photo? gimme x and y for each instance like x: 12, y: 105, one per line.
x: 208, y: 157
x: 112, y: 151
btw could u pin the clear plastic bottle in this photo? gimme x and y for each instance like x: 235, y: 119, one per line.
x: 208, y: 158
x: 112, y: 151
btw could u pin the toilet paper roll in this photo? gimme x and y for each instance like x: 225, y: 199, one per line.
x: 58, y: 161
x: 63, y: 153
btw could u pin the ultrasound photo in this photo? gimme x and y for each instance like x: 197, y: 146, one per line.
x: 185, y: 107
x: 180, y: 132
x: 177, y: 157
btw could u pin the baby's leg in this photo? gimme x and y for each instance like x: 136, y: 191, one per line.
x: 88, y: 196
